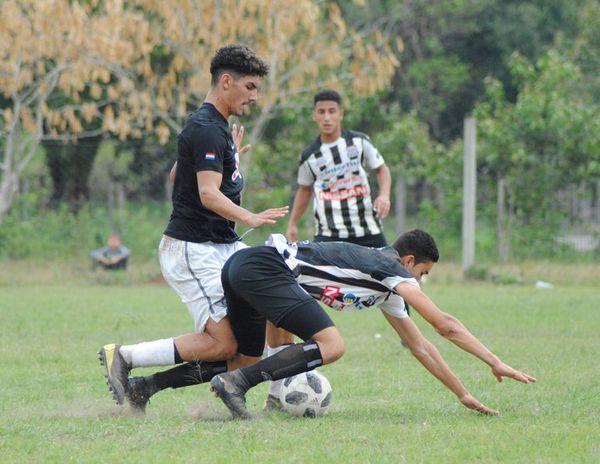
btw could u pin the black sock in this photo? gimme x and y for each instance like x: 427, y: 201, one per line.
x: 176, y: 354
x: 295, y: 359
x: 191, y: 373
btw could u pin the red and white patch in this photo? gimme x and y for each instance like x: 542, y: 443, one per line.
x: 329, y: 295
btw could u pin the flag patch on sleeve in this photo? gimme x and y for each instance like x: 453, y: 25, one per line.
x: 209, y: 156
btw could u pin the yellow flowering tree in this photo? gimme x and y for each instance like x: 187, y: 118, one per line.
x: 75, y: 69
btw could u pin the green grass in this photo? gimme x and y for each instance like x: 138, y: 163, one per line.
x: 55, y: 407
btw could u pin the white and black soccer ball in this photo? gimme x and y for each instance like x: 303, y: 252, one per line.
x: 306, y: 395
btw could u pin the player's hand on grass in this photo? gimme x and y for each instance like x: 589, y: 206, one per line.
x: 501, y: 370
x: 268, y: 216
x: 473, y: 403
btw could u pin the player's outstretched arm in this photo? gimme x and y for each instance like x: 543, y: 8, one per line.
x: 428, y: 355
x: 501, y: 370
x: 268, y: 216
x: 213, y: 199
x: 451, y: 328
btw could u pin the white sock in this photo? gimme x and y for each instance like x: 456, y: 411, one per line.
x: 275, y: 385
x: 150, y: 354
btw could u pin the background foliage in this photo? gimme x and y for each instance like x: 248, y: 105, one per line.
x: 88, y: 129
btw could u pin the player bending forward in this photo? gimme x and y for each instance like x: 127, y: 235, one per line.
x: 281, y: 283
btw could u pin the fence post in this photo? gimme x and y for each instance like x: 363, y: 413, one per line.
x: 469, y: 194
x: 400, y: 205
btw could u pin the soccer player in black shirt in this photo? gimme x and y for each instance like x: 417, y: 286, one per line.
x: 283, y: 282
x: 200, y: 235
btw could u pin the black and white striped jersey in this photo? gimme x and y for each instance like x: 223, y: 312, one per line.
x: 346, y: 276
x: 341, y: 193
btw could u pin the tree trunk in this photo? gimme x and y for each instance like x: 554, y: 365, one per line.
x: 501, y: 222
x: 70, y: 166
x: 18, y: 149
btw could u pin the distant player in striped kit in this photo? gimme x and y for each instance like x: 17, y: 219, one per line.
x: 333, y: 171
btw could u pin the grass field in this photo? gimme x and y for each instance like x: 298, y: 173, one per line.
x: 386, y: 408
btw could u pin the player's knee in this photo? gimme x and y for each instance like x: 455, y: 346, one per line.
x: 332, y: 349
x: 226, y: 350
x: 221, y: 349
x: 339, y: 349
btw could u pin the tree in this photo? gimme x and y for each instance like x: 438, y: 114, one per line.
x: 138, y: 67
x: 450, y: 46
x: 51, y: 81
x: 545, y: 143
x: 307, y: 47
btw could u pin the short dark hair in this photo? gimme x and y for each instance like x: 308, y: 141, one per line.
x: 327, y: 95
x: 418, y: 243
x: 237, y: 59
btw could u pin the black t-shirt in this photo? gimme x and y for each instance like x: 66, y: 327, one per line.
x: 205, y: 144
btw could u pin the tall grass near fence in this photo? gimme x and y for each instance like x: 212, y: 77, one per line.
x: 64, y: 235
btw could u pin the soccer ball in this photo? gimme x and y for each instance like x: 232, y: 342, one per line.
x: 306, y: 395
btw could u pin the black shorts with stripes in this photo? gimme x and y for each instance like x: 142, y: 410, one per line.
x: 258, y: 286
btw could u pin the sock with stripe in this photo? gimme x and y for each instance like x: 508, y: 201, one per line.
x: 275, y: 385
x: 292, y: 360
x: 190, y: 373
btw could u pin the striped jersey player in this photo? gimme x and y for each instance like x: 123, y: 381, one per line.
x: 334, y: 172
x: 281, y: 282
x: 344, y: 276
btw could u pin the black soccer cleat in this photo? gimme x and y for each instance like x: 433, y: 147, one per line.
x: 230, y: 388
x: 139, y: 392
x: 117, y: 371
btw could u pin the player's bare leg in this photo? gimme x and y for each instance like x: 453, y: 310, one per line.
x: 216, y: 343
x: 204, y: 353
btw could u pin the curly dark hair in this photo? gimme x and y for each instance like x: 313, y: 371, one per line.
x: 418, y: 243
x: 237, y: 59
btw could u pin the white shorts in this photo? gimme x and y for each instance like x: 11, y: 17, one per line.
x: 193, y: 270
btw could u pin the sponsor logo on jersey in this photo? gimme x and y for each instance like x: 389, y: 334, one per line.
x: 352, y: 151
x: 210, y: 156
x: 341, y: 169
x: 337, y: 184
x: 344, y: 194
x: 329, y: 295
x: 320, y: 162
x: 350, y: 298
